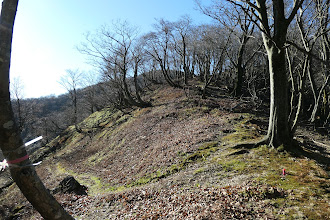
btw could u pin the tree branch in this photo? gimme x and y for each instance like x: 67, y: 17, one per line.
x: 307, y: 52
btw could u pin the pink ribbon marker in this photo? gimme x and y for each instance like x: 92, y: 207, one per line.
x: 18, y: 160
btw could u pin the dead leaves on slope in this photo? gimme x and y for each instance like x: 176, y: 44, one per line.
x: 239, y: 202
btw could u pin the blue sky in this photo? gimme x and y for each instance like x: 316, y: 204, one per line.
x: 47, y: 32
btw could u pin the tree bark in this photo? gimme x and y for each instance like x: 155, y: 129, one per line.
x: 240, y: 70
x: 128, y: 95
x: 137, y: 87
x: 25, y: 177
x: 279, y: 132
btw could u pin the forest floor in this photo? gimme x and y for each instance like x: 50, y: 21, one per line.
x: 177, y: 160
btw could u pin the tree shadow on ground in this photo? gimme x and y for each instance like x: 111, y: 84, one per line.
x: 316, y: 151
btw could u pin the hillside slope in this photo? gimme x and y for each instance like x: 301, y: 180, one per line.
x: 177, y: 160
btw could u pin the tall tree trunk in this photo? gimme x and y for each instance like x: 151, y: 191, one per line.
x: 137, y: 88
x: 128, y: 95
x: 239, y: 83
x: 25, y: 177
x: 240, y: 70
x: 167, y: 77
x: 185, y: 67
x: 279, y: 132
x: 316, y: 107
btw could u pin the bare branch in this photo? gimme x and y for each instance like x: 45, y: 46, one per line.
x: 307, y: 52
x: 297, y: 5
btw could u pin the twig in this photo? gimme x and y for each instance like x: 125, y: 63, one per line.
x: 320, y: 144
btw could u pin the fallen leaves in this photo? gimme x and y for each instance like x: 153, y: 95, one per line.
x: 234, y: 202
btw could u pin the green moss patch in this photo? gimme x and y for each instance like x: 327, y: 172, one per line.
x: 243, y: 130
x: 305, y: 182
x: 204, y: 151
x: 233, y: 165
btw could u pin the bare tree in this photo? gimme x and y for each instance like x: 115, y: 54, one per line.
x: 138, y: 58
x: 241, y: 28
x: 211, y: 43
x: 113, y: 50
x: 16, y: 91
x: 24, y: 175
x: 71, y: 82
x: 308, y: 63
x: 151, y: 74
x: 183, y: 28
x: 314, y: 30
x: 273, y: 18
x: 159, y: 46
x: 91, y: 92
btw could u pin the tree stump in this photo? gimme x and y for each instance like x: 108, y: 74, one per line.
x: 70, y: 185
